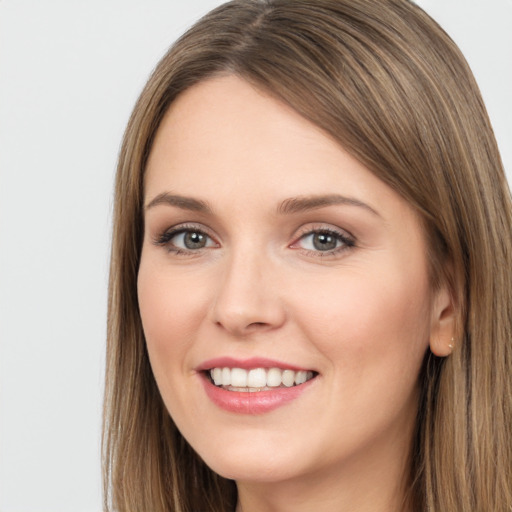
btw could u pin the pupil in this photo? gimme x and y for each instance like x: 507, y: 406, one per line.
x: 194, y: 240
x: 324, y: 242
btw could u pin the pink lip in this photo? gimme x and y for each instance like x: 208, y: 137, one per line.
x: 242, y: 402
x: 246, y: 364
x: 258, y: 402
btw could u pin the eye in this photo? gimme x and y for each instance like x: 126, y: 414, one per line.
x: 190, y: 240
x: 324, y: 240
x: 185, y: 239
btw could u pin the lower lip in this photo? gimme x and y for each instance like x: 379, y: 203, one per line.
x: 258, y: 402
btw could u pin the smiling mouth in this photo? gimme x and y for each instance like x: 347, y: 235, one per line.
x: 257, y: 379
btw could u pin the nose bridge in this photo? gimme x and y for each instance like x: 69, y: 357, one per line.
x: 247, y: 298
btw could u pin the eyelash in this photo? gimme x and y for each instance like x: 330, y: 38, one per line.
x: 164, y: 239
x: 346, y: 241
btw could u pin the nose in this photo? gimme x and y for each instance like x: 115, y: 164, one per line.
x: 248, y: 299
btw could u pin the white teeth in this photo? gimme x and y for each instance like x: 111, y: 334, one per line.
x: 257, y: 379
x: 217, y: 376
x: 226, y: 377
x: 301, y: 377
x: 274, y: 377
x: 288, y: 378
x: 238, y: 378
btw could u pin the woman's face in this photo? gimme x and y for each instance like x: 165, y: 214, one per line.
x: 272, y: 257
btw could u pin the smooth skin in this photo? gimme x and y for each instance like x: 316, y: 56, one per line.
x: 277, y: 243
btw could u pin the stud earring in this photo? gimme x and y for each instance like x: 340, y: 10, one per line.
x: 451, y: 344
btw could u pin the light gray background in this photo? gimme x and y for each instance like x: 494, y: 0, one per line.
x: 70, y: 72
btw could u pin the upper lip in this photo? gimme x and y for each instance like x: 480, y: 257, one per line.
x: 247, y: 364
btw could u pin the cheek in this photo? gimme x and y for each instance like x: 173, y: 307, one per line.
x: 373, y: 332
x: 368, y: 318
x: 170, y: 310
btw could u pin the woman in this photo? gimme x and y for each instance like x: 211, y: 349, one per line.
x: 310, y: 298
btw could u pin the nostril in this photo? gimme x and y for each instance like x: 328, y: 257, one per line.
x: 257, y: 326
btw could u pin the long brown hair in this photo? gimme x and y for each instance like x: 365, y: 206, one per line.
x: 383, y: 79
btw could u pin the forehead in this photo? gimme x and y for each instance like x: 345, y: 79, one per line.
x: 224, y: 140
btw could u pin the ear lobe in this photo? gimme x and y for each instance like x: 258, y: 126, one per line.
x: 442, y: 327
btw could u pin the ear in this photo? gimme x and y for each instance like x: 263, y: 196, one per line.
x: 442, y: 329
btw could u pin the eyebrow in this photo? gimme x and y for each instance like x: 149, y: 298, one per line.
x: 183, y: 202
x: 287, y: 207
x: 302, y: 204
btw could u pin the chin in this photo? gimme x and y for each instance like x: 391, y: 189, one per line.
x: 263, y: 471
x: 250, y: 459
